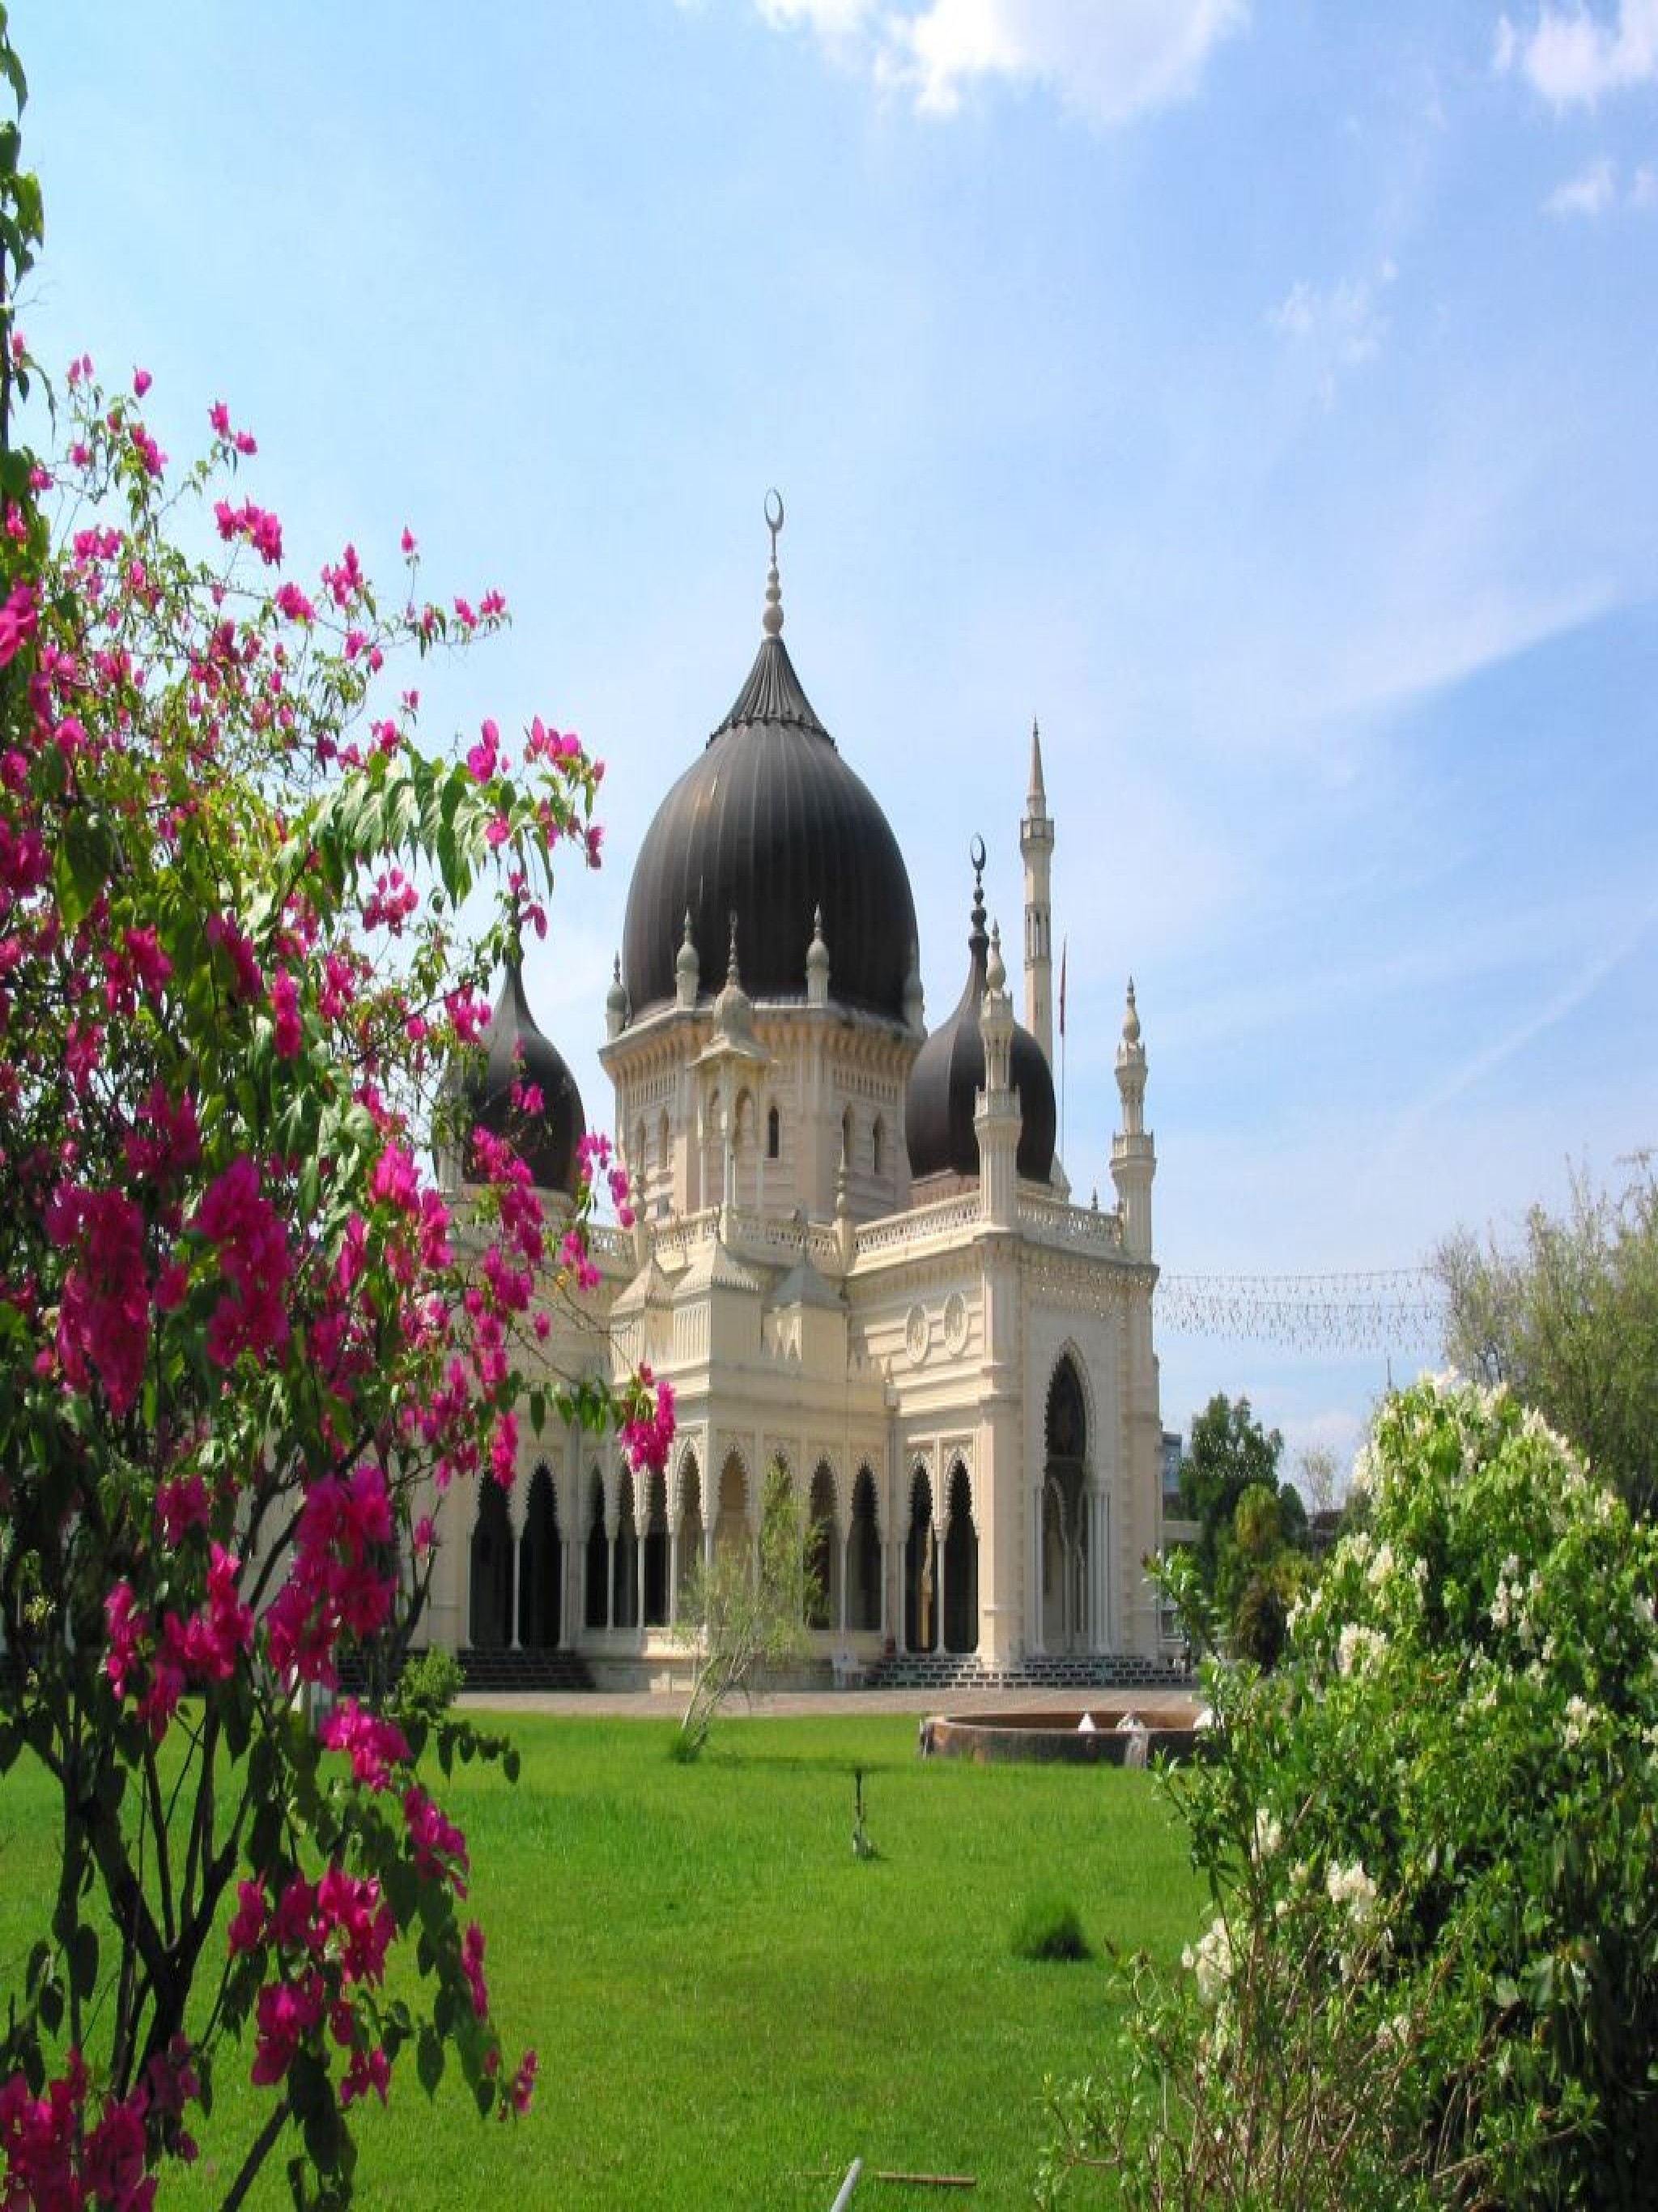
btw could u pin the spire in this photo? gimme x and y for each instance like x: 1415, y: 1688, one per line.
x: 772, y: 620
x: 818, y: 962
x: 1037, y: 851
x: 1133, y: 1153
x: 688, y: 972
x: 616, y: 1003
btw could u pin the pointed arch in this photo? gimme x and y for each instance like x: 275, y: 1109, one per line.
x: 688, y: 1520
x: 596, y: 1577
x: 864, y: 1554
x: 491, y: 1563
x: 823, y: 1549
x: 921, y: 1566
x: 541, y: 1566
x: 960, y: 1624
x: 624, y: 1557
x: 653, y: 1525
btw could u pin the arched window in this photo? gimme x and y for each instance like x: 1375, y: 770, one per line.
x: 773, y: 1134
x: 878, y: 1143
x: 846, y: 1137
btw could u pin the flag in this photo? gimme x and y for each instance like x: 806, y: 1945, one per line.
x: 1065, y: 946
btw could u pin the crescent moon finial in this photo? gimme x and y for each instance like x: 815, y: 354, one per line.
x: 772, y: 620
x: 975, y: 852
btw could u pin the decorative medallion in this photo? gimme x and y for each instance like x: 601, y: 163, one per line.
x: 955, y: 1324
x: 916, y: 1334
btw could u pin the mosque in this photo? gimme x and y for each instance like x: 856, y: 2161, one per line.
x: 854, y: 1256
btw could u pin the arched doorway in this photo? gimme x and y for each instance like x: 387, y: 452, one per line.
x: 656, y: 1552
x: 864, y: 1557
x: 491, y: 1607
x: 541, y: 1568
x: 823, y: 1552
x: 920, y: 1570
x: 731, y: 1521
x: 961, y: 1624
x: 690, y: 1525
x: 1066, y: 1626
x: 625, y: 1558
x: 597, y: 1577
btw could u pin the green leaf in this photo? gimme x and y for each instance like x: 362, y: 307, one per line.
x: 428, y: 2059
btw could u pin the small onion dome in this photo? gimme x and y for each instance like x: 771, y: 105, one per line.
x: 770, y: 824
x: 516, y: 1053
x: 949, y: 1072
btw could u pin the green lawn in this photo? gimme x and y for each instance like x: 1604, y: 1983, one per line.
x: 728, y: 2005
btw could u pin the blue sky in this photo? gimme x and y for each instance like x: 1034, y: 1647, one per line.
x: 1260, y: 395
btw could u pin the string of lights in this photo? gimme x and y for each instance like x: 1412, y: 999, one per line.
x: 1373, y: 1310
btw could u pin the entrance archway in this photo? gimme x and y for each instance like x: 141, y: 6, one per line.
x: 864, y: 1557
x: 492, y: 1571
x: 920, y: 1570
x: 1066, y: 1623
x: 541, y: 1568
x: 961, y: 1624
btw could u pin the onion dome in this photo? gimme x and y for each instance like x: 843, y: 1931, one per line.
x: 772, y: 825
x: 949, y: 1073
x: 516, y: 1053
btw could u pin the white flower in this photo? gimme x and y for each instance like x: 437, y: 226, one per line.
x: 1352, y: 1886
x: 1269, y: 1833
x: 1581, y: 1718
x: 1211, y: 1961
x: 1359, y: 1645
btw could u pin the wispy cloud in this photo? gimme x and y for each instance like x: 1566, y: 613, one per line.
x: 1595, y: 191
x: 1591, y: 192
x: 1109, y: 64
x: 1334, y: 329
x: 1573, y: 57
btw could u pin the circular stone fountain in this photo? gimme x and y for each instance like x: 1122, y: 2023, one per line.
x: 1122, y: 1734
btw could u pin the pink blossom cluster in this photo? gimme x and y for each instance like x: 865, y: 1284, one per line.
x: 235, y: 1216
x: 103, y: 1313
x: 647, y: 1429
x: 340, y: 1577
x: 330, y: 1937
x: 374, y: 1745
x: 68, y: 2151
x: 154, y: 1665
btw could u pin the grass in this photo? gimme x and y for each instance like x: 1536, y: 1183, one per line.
x: 728, y: 2004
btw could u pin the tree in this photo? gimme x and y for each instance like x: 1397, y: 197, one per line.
x: 1431, y: 1841
x: 241, y: 1329
x: 1570, y: 1321
x: 746, y: 1612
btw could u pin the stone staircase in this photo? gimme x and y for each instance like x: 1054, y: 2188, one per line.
x: 948, y: 1671
x: 501, y: 1672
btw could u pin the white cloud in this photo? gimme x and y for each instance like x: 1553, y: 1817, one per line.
x: 1110, y: 63
x: 1643, y: 187
x: 1335, y: 329
x: 1573, y: 57
x: 1591, y: 192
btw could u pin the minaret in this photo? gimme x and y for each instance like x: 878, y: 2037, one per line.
x: 1036, y: 849
x: 1133, y: 1153
x: 996, y: 1110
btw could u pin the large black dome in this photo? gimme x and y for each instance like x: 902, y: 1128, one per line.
x: 771, y: 825
x: 949, y: 1072
x: 516, y: 1052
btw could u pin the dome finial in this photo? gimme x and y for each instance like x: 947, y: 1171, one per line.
x: 772, y: 620
x: 975, y: 852
x: 731, y: 976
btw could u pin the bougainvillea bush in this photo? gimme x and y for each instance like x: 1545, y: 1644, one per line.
x: 247, y: 928
x: 1431, y: 1838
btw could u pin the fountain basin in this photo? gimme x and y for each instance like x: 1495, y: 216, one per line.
x: 1116, y: 1735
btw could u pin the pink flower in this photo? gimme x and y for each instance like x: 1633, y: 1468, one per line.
x: 252, y: 1246
x: 18, y: 620
x: 483, y: 757
x: 103, y: 1314
x: 375, y: 1746
x: 141, y: 381
x: 471, y: 1961
x: 285, y: 1007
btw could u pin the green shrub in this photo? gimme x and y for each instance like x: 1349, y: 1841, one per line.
x: 429, y: 1683
x: 1431, y: 1836
x: 1049, y: 1928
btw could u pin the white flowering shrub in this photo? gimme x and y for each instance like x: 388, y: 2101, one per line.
x: 1431, y: 1838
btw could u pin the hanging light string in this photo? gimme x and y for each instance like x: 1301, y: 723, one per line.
x: 1375, y: 1310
